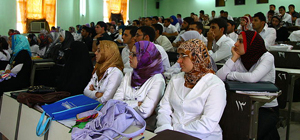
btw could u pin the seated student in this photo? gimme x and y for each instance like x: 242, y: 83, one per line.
x: 195, y: 99
x: 4, y: 54
x: 218, y: 44
x: 143, y: 88
x: 107, y: 73
x: 251, y: 62
x: 198, y: 26
x: 169, y: 29
x: 175, y: 22
x: 160, y: 39
x: 32, y: 39
x: 282, y: 33
x: 19, y: 65
x: 43, y: 44
x: 286, y: 17
x: 86, y: 34
x: 77, y: 69
x: 101, y: 31
x: 245, y: 24
x: 129, y: 40
x: 230, y: 30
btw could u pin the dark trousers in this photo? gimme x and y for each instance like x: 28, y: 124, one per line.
x: 267, y: 120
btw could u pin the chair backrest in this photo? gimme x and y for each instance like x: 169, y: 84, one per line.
x: 297, y: 22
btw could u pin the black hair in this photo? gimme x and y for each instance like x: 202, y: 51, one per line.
x: 271, y: 12
x: 272, y: 5
x: 102, y: 24
x: 179, y: 15
x: 147, y: 30
x: 158, y: 27
x: 150, y: 18
x: 132, y: 30
x: 155, y: 17
x: 199, y: 25
x: 260, y: 16
x: 282, y: 7
x: 213, y: 11
x: 292, y: 5
x: 231, y: 22
x: 113, y: 26
x: 193, y: 13
x: 137, y: 22
x: 222, y: 11
x: 225, y: 12
x: 167, y: 19
x: 201, y: 12
x: 189, y: 20
x: 87, y: 29
x: 92, y: 23
x: 33, y: 39
x: 221, y: 23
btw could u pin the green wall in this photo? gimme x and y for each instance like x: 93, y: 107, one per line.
x: 68, y: 10
x: 185, y: 7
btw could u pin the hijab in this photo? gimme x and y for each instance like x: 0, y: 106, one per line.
x: 175, y: 21
x: 198, y: 53
x: 254, y: 47
x: 44, y: 40
x: 248, y: 23
x: 149, y: 63
x: 190, y: 35
x: 19, y: 43
x: 109, y: 57
x: 68, y: 39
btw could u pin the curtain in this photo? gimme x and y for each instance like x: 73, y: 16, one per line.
x: 117, y: 7
x: 36, y: 10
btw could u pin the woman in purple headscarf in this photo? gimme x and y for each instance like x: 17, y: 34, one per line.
x: 143, y: 88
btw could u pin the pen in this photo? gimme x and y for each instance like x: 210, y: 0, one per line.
x: 142, y: 138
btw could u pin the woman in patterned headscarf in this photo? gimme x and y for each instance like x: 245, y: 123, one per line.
x: 245, y: 24
x: 143, y: 88
x: 195, y: 98
x: 107, y: 74
x: 19, y: 66
x: 251, y: 62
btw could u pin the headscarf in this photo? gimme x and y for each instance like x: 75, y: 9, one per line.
x: 33, y: 39
x: 175, y: 21
x: 197, y: 52
x: 149, y: 63
x: 79, y: 28
x: 19, y: 43
x: 254, y: 47
x: 109, y: 57
x: 68, y: 39
x: 44, y: 40
x: 190, y: 35
x: 248, y: 23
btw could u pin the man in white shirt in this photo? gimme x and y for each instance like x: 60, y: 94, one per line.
x: 155, y: 20
x: 260, y: 26
x: 273, y: 8
x: 148, y: 21
x: 148, y: 34
x: 169, y: 29
x: 160, y: 39
x: 198, y: 26
x: 285, y: 16
x: 184, y: 27
x: 213, y: 13
x: 218, y: 44
x: 230, y: 30
x: 128, y: 39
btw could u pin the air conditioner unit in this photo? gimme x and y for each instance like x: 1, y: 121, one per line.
x: 37, y: 26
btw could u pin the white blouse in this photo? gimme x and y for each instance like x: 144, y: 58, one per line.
x: 4, y: 57
x: 263, y: 70
x: 195, y: 111
x: 149, y: 93
x: 107, y: 85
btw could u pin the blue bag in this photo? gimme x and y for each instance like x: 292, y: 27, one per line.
x: 64, y: 109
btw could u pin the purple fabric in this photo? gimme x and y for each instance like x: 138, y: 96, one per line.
x: 113, y: 119
x: 149, y: 63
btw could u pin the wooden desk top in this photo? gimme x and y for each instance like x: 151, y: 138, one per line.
x: 288, y: 70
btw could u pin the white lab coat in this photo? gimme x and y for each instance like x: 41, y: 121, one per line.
x: 195, y: 111
x: 149, y: 93
x: 107, y: 85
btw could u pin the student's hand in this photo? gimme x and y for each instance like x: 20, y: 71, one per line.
x: 7, y: 71
x: 235, y: 56
x: 98, y: 94
x: 92, y: 87
x: 140, y: 103
x: 97, y: 36
x: 210, y: 36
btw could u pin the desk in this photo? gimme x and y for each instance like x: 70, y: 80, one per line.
x: 18, y: 121
x: 293, y: 74
x: 243, y: 109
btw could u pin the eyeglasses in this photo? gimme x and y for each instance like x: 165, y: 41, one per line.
x: 132, y: 54
x: 98, y: 50
x: 182, y: 56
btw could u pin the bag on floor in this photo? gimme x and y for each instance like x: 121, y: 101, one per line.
x: 64, y: 109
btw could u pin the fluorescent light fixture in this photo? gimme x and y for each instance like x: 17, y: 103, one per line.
x: 82, y: 7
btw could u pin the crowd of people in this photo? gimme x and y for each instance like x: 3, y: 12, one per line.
x: 189, y: 96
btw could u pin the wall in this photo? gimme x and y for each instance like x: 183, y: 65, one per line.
x: 185, y: 7
x: 8, y: 16
x: 142, y: 8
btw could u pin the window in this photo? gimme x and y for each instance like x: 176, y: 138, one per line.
x: 115, y: 7
x: 262, y: 1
